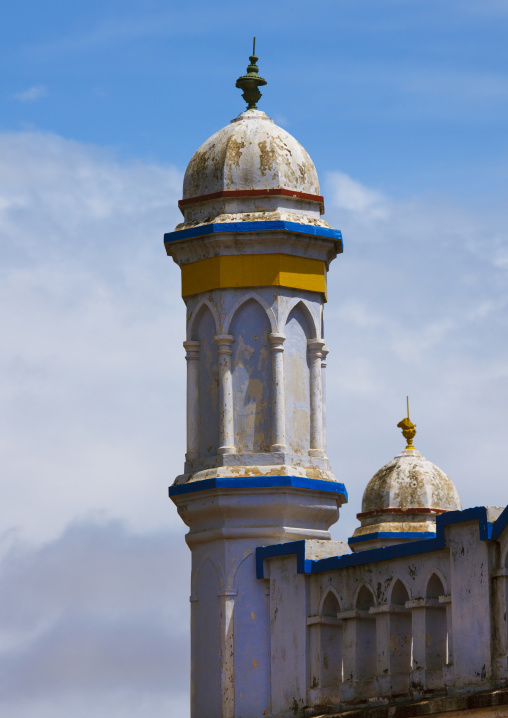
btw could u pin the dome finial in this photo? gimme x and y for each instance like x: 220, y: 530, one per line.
x: 250, y: 82
x: 408, y: 429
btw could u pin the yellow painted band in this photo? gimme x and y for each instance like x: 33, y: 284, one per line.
x: 254, y: 270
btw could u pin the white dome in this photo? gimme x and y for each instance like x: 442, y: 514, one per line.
x: 409, y: 481
x: 251, y: 170
x: 250, y: 153
x: 403, y: 499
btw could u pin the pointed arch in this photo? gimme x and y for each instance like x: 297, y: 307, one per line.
x: 299, y: 328
x: 328, y: 600
x: 203, y: 327
x: 313, y: 324
x: 250, y: 374
x: 232, y: 575
x: 364, y: 598
x: 436, y: 624
x: 330, y: 642
x: 196, y: 316
x: 401, y: 635
x: 250, y: 296
x: 208, y: 557
x: 435, y: 585
x: 366, y: 640
x: 399, y: 593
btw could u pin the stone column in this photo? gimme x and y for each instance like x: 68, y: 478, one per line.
x: 226, y: 424
x: 324, y: 353
x: 316, y: 399
x: 192, y: 357
x: 278, y: 403
x: 227, y: 598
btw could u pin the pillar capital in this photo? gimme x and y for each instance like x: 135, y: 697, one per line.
x: 315, y: 346
x: 224, y: 342
x: 277, y: 341
x: 192, y: 349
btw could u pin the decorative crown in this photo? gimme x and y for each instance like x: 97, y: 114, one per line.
x: 250, y: 82
x: 408, y: 429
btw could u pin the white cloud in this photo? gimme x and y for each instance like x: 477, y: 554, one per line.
x: 36, y: 92
x: 91, y: 311
x: 347, y: 193
x: 92, y: 399
x: 95, y: 621
x: 417, y: 304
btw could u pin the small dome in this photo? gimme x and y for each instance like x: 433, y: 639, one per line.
x: 251, y: 170
x: 402, y: 500
x: 409, y: 481
x: 250, y: 153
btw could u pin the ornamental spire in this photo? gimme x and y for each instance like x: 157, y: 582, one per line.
x: 250, y: 82
x: 408, y: 429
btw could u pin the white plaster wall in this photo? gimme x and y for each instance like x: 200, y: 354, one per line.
x: 470, y: 566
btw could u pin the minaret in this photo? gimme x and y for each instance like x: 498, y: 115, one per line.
x: 254, y: 255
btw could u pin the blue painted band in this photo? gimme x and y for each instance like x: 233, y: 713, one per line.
x: 261, y: 482
x: 486, y: 529
x: 276, y: 226
x: 393, y: 535
x: 500, y: 524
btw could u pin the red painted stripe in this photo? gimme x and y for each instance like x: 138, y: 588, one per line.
x: 251, y: 193
x: 379, y: 512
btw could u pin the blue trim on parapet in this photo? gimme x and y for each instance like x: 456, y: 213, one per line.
x: 486, y: 529
x: 260, y: 482
x: 500, y: 524
x: 276, y: 226
x: 392, y: 535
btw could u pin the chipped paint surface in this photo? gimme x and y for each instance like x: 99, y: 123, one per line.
x: 315, y: 633
x: 431, y: 623
x: 251, y: 378
x: 403, y: 498
x: 254, y: 401
x: 250, y: 316
x: 410, y: 481
x: 252, y: 152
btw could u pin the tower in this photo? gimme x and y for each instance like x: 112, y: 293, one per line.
x: 254, y: 254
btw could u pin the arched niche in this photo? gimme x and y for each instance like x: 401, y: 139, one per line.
x: 366, y: 646
x: 297, y: 380
x: 312, y: 323
x: 195, y: 318
x: 399, y: 594
x: 330, y: 642
x: 436, y: 632
x: 251, y: 378
x: 435, y: 587
x: 204, y: 329
x: 254, y: 296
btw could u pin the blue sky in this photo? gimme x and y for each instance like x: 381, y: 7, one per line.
x: 409, y: 93
x: 403, y: 106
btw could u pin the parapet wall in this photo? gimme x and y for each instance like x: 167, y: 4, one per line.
x: 389, y: 625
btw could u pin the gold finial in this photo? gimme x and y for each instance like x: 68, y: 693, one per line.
x: 408, y: 428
